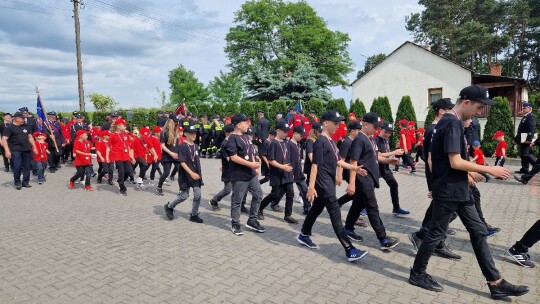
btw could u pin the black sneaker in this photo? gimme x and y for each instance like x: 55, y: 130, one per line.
x: 236, y: 229
x: 447, y: 253
x: 195, y: 219
x: 169, y: 212
x: 243, y: 209
x: 110, y: 182
x: 123, y: 193
x: 451, y: 231
x: 159, y: 191
x: 290, y: 220
x: 388, y: 243
x: 277, y: 208
x: 415, y: 241
x: 260, y: 216
x: 255, y: 226
x: 305, y: 211
x: 99, y: 181
x: 27, y: 186
x: 353, y: 236
x: 522, y: 258
x: 214, y: 205
x: 424, y: 280
x: 306, y: 241
x: 520, y: 179
x: 18, y: 186
x: 505, y: 289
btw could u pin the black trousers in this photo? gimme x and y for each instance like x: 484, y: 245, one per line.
x: 155, y: 168
x: 166, y: 171
x: 68, y: 152
x: 205, y: 144
x: 499, y: 161
x: 54, y: 157
x: 535, y: 170
x: 143, y: 166
x: 526, y: 156
x: 394, y: 192
x: 276, y: 194
x: 124, y: 171
x: 82, y: 171
x: 365, y: 198
x: 531, y: 237
x: 335, y: 217
x: 419, y: 154
x: 106, y: 168
x: 442, y: 213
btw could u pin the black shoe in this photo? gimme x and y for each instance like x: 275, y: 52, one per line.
x: 255, y: 226
x: 237, y: 230
x: 159, y: 191
x: 99, y: 181
x: 277, y: 208
x: 388, y: 243
x: 214, y: 205
x: 415, y: 241
x: 521, y: 171
x: 520, y: 179
x: 169, y: 212
x: 496, y: 229
x: 306, y: 211
x: 260, y: 216
x: 123, y: 192
x: 243, y: 209
x: 290, y: 220
x: 451, y: 231
x: 353, y: 236
x: 18, y: 186
x: 447, y: 253
x: 424, y: 280
x: 6, y: 170
x: 110, y: 182
x: 195, y: 219
x: 27, y: 186
x: 51, y: 170
x: 505, y: 289
x: 522, y: 258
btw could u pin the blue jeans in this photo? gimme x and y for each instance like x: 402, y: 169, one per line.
x: 21, y: 163
x: 41, y: 166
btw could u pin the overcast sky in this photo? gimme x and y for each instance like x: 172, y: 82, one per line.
x: 128, y: 52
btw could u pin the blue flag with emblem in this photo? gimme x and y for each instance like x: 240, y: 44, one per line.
x: 40, y: 113
x: 298, y: 106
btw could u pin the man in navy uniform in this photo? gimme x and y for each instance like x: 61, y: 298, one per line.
x: 263, y: 128
x: 55, y: 140
x: 524, y: 137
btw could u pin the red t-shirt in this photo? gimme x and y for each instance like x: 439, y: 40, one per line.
x: 407, y: 137
x: 412, y: 137
x: 420, y: 140
x: 154, y: 143
x: 82, y: 146
x: 500, y: 146
x: 307, y: 127
x: 140, y: 148
x: 341, y: 132
x: 41, y: 156
x: 481, y: 160
x: 101, y: 147
x: 120, y: 144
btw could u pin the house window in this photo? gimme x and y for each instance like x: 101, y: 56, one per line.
x: 434, y: 95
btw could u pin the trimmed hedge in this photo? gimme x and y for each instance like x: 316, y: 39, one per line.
x: 406, y: 110
x: 430, y: 117
x: 358, y: 108
x: 499, y: 119
x: 338, y: 105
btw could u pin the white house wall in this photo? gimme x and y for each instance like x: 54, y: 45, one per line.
x: 411, y: 71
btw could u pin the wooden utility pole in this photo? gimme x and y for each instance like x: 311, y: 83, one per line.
x: 78, y: 47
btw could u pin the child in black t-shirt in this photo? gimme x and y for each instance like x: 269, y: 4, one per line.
x: 322, y: 187
x: 189, y: 175
x: 225, y: 171
x: 294, y: 146
x: 263, y: 151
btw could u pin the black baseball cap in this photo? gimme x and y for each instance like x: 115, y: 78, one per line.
x: 173, y: 117
x: 373, y: 118
x: 215, y: 116
x: 160, y: 112
x: 52, y: 113
x: 74, y: 113
x: 476, y: 93
x: 355, y: 125
x: 191, y: 128
x: 6, y: 114
x: 272, y: 132
x: 388, y: 126
x: 18, y: 114
x: 23, y: 109
x: 228, y: 128
x: 79, y: 115
x: 332, y: 116
x: 317, y: 126
x: 300, y: 130
x: 260, y: 111
x: 238, y: 118
x: 283, y: 126
x: 115, y: 114
x: 443, y: 103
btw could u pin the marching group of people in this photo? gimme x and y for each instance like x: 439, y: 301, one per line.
x: 314, y: 154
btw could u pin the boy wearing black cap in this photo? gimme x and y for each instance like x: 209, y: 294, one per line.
x: 243, y: 175
x: 294, y: 147
x: 322, y: 187
x: 345, y: 155
x: 384, y: 151
x: 225, y: 171
x: 263, y: 151
x: 364, y: 151
x: 281, y: 175
x: 452, y: 194
x: 189, y: 175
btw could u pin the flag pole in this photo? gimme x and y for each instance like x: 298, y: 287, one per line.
x: 46, y: 123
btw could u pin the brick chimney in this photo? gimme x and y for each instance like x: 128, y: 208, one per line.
x: 495, y: 69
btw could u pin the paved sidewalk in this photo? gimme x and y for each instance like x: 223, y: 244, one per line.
x: 70, y: 246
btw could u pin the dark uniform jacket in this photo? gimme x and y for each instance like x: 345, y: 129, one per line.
x: 526, y: 125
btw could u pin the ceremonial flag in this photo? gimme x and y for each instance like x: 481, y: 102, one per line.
x: 181, y: 109
x: 298, y: 106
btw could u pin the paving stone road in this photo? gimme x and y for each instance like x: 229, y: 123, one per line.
x: 70, y: 246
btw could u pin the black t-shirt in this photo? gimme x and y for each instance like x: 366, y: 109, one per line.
x: 384, y: 147
x: 241, y: 146
x: 3, y: 126
x: 18, y: 137
x: 106, y: 126
x: 280, y: 153
x: 364, y: 151
x: 449, y: 184
x: 225, y: 170
x: 294, y: 149
x: 175, y: 148
x: 427, y: 148
x: 307, y: 161
x: 189, y: 154
x: 263, y: 151
x: 31, y: 123
x: 345, y: 152
x: 325, y: 156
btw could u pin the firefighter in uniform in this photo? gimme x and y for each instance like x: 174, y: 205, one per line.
x: 204, y: 133
x: 217, y: 134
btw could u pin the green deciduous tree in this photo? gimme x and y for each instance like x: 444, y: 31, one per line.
x: 406, y: 110
x: 371, y: 62
x: 102, y: 103
x: 205, y: 108
x: 499, y: 119
x: 185, y: 87
x: 231, y: 108
x: 227, y: 87
x: 277, y: 35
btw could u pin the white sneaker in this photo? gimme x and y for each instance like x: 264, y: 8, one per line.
x: 139, y: 180
x: 297, y: 199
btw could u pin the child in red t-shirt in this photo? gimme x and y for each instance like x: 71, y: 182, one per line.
x: 500, y: 150
x: 405, y: 143
x: 106, y: 169
x: 41, y: 156
x: 419, y: 145
x: 119, y: 152
x: 479, y: 158
x: 83, y: 159
x: 154, y: 143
